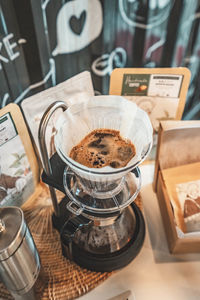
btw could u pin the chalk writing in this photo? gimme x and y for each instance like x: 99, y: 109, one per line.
x: 105, y: 64
x: 9, y: 47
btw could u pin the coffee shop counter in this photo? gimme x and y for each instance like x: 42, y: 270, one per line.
x: 154, y: 273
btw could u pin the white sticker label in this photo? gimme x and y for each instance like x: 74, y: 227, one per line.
x: 7, y: 129
x: 165, y: 85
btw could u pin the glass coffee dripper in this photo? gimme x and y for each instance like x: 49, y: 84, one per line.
x: 107, y: 229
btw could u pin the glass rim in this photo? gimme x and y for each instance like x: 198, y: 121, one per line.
x: 103, y: 211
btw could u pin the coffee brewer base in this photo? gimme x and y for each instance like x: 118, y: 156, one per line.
x: 110, y: 261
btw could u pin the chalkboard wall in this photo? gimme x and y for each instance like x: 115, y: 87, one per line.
x: 43, y: 43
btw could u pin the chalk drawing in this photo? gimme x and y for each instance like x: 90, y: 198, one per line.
x: 129, y: 12
x: 50, y: 74
x: 105, y: 64
x: 79, y: 22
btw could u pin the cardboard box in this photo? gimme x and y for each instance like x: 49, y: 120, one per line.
x: 177, y: 168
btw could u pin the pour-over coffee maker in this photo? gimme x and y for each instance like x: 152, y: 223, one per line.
x: 101, y: 228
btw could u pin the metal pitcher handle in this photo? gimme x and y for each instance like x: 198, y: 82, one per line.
x: 43, y: 148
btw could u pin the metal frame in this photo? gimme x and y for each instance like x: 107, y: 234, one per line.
x: 43, y: 148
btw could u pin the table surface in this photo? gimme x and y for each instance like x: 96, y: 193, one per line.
x: 154, y: 273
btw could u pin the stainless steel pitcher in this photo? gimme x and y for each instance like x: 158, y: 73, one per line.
x: 19, y: 258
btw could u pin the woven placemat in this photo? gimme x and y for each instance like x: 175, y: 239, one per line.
x: 60, y: 278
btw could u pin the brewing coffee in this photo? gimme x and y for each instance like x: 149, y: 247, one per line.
x: 103, y: 147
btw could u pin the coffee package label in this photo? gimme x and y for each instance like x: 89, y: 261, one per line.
x: 135, y: 84
x: 17, y: 181
x: 158, y: 85
x: 183, y: 187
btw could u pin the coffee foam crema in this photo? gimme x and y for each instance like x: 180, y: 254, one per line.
x: 103, y: 147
